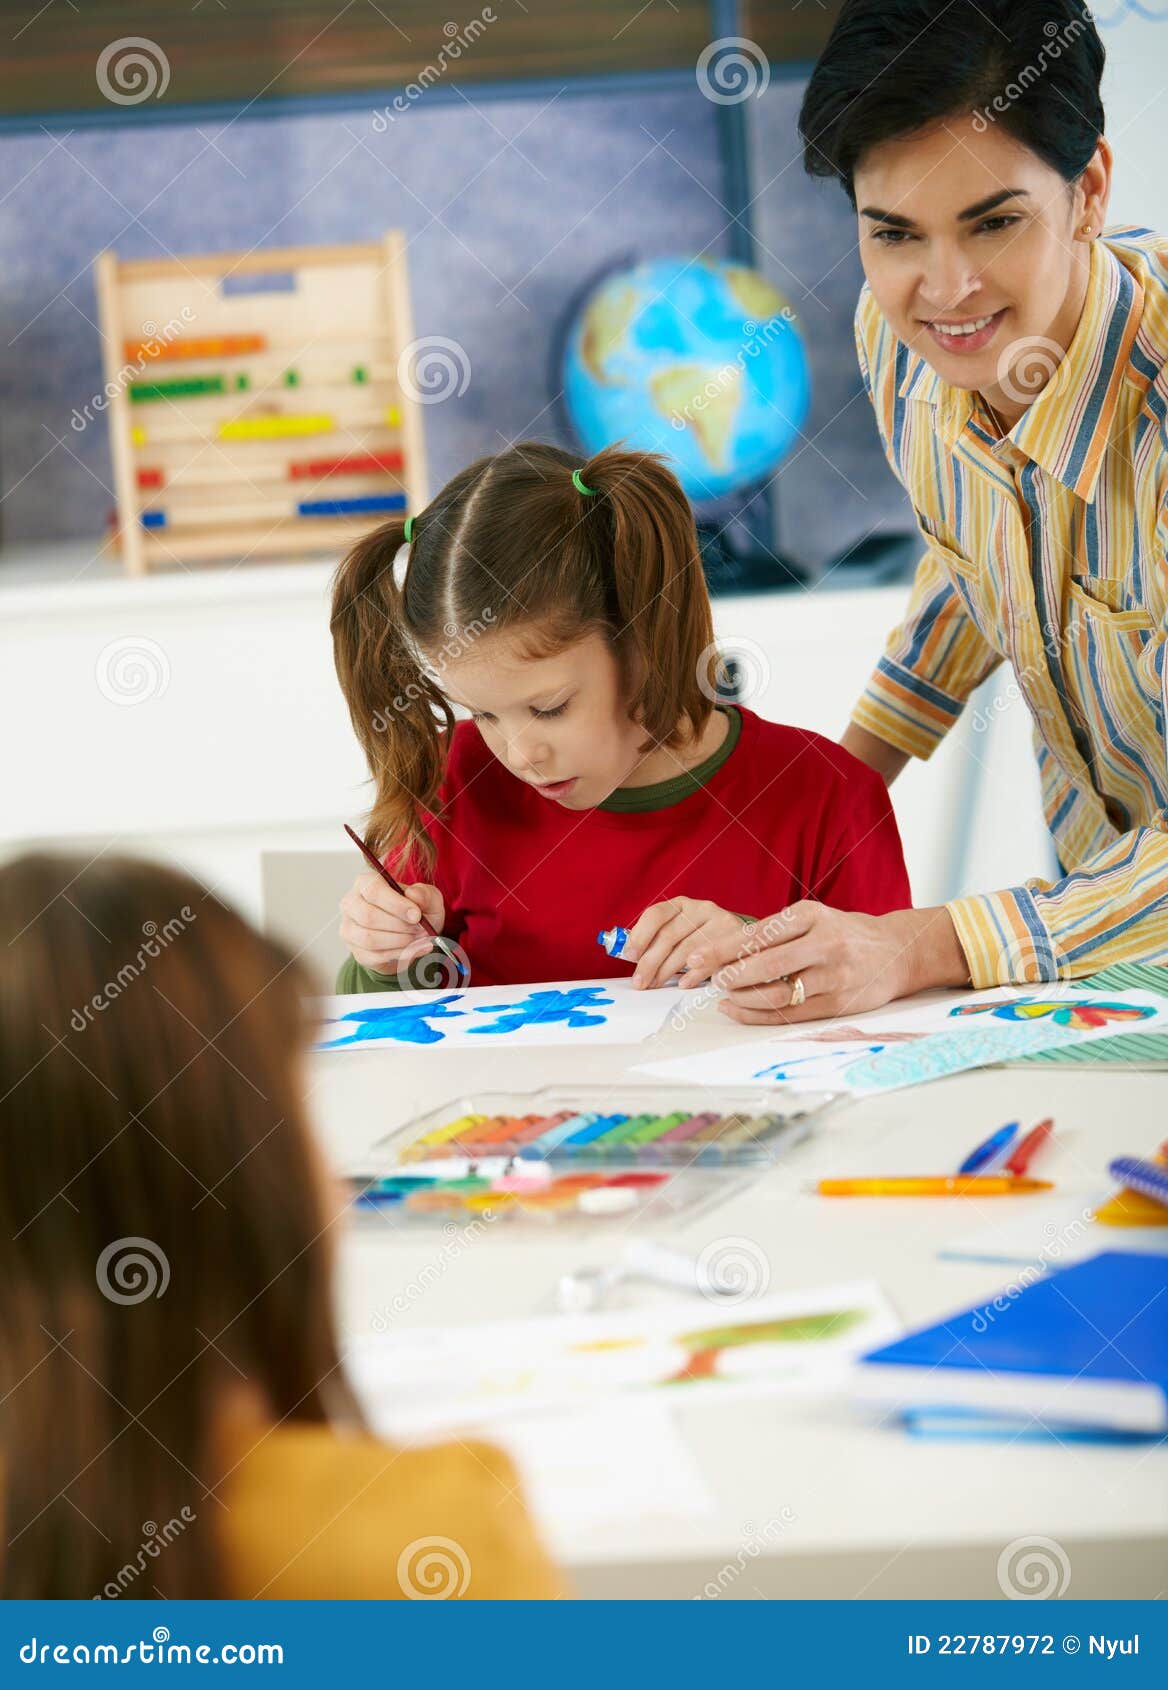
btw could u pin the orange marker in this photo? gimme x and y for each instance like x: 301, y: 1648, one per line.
x: 955, y: 1185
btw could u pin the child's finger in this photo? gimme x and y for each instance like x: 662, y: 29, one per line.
x: 674, y: 934
x: 430, y: 901
x: 379, y: 900
x: 646, y: 928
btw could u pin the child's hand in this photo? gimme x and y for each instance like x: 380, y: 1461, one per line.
x: 381, y: 927
x: 661, y: 942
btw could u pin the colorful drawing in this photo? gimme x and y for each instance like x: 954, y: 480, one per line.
x: 706, y: 1348
x: 407, y: 1022
x: 1084, y: 1015
x: 827, y: 1063
x: 545, y: 1008
x: 536, y: 1013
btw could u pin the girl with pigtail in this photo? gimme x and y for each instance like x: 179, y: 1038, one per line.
x: 600, y: 779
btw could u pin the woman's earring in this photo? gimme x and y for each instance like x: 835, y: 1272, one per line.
x: 1087, y: 231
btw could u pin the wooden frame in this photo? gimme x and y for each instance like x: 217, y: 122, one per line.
x: 241, y: 387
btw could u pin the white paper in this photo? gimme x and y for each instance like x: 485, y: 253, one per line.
x: 906, y: 1044
x: 450, y: 1378
x: 1051, y: 1232
x: 558, y: 1012
x: 616, y: 1465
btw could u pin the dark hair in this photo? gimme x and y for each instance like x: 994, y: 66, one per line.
x: 163, y: 1223
x: 511, y: 542
x: 892, y: 67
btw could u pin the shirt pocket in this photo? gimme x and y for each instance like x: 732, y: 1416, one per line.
x: 1113, y: 649
x: 943, y: 544
x: 1109, y: 595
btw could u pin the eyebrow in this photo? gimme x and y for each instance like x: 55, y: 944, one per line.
x: 966, y: 216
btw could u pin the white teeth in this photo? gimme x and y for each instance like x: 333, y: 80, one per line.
x: 964, y: 328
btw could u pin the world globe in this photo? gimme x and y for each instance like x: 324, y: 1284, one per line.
x: 697, y: 358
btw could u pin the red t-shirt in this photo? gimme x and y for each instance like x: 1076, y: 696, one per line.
x: 528, y: 885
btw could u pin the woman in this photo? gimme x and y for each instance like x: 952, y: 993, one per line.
x: 1015, y: 361
x: 173, y: 1416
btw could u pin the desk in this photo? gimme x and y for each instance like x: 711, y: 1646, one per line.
x: 867, y: 1510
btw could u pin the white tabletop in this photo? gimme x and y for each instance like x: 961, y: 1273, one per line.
x: 865, y: 1510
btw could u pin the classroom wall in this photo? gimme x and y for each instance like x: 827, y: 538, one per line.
x: 509, y: 205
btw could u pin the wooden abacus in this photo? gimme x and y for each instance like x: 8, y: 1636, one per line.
x: 256, y: 400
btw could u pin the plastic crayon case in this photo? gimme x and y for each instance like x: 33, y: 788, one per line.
x: 645, y: 1126
x: 585, y: 1154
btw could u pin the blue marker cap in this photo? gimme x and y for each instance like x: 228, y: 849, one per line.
x: 613, y: 940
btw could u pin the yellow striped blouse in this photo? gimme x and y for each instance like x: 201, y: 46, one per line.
x: 1048, y: 549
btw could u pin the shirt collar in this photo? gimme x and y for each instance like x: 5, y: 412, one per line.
x: 1066, y: 427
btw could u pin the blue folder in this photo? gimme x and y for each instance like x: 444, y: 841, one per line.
x: 1085, y: 1345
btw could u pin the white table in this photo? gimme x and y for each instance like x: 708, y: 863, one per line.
x: 868, y: 1511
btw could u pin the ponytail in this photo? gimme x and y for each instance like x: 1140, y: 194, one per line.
x: 660, y: 610
x: 398, y: 714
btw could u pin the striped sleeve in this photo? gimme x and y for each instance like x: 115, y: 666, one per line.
x: 1111, y: 909
x: 931, y: 664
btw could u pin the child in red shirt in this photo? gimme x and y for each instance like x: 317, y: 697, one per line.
x: 599, y: 781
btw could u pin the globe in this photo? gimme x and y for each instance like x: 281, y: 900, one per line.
x: 697, y: 358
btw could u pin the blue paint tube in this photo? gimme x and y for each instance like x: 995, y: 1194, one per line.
x: 613, y: 940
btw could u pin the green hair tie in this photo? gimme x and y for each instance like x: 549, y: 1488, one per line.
x: 409, y: 529
x: 579, y: 485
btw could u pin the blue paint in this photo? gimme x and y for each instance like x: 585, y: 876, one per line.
x: 409, y: 1023
x: 784, y: 1070
x: 613, y: 940
x: 548, y: 1008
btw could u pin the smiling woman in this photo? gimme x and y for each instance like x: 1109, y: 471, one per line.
x: 1015, y: 359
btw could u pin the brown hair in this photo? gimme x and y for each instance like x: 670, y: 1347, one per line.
x: 509, y: 542
x: 162, y: 1221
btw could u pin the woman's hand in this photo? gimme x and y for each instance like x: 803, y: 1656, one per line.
x: 381, y: 927
x: 846, y: 962
x: 664, y: 939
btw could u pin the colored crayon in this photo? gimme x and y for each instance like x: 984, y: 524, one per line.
x: 654, y: 1127
x: 682, y: 1133
x: 587, y: 1135
x: 549, y: 1141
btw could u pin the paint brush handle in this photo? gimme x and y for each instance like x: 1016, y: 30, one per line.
x: 380, y: 868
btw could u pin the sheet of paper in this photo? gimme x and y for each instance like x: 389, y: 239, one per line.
x: 449, y: 1378
x: 572, y: 1012
x: 617, y: 1463
x: 1051, y: 1233
x: 906, y: 1044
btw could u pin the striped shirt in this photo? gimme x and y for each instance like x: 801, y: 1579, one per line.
x: 1047, y: 549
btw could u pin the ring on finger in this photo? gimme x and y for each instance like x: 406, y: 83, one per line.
x: 798, y: 990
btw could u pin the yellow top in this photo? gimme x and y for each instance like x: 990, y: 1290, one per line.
x: 316, y: 1513
x: 1046, y: 549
